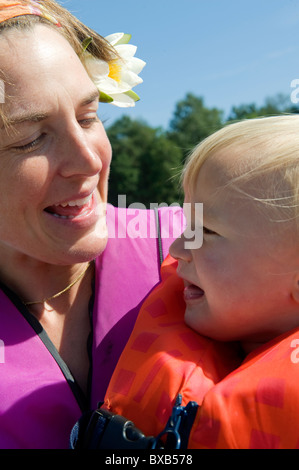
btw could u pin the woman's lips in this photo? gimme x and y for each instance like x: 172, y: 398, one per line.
x: 80, y: 214
x: 71, y: 209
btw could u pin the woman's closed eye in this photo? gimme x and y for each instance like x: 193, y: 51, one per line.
x: 34, y: 144
x: 87, y: 122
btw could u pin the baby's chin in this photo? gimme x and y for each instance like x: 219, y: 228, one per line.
x: 206, y: 329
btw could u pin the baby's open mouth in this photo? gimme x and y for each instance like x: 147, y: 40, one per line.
x: 193, y: 292
x: 71, y: 209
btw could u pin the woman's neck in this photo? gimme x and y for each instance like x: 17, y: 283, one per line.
x: 34, y: 281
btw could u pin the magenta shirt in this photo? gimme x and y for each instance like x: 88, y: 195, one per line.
x: 39, y: 399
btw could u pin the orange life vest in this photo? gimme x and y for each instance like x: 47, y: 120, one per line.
x: 257, y: 405
x: 164, y: 358
x: 250, y: 405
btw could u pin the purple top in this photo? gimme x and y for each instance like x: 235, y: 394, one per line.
x: 39, y: 399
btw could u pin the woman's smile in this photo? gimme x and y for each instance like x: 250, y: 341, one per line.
x: 73, y: 208
x: 80, y: 214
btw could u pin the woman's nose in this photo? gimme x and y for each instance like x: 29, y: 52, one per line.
x: 79, y: 155
x: 179, y: 251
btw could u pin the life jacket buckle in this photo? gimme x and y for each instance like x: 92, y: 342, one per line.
x: 178, y: 427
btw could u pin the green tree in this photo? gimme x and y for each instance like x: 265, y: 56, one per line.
x: 192, y: 122
x: 147, y: 160
x: 244, y: 111
x: 144, y: 164
x: 273, y: 106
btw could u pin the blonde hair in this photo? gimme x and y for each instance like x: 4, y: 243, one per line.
x: 267, y: 150
x: 70, y: 27
x: 73, y: 30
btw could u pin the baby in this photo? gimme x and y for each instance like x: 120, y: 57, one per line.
x: 243, y: 283
x: 240, y: 288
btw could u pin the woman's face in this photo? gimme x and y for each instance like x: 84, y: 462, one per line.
x: 55, y: 157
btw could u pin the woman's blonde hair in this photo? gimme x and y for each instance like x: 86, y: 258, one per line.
x: 70, y: 27
x: 73, y: 30
x: 267, y: 150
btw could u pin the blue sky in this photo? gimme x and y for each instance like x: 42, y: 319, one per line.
x: 230, y: 52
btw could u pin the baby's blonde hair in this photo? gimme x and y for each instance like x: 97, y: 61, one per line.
x: 268, y: 151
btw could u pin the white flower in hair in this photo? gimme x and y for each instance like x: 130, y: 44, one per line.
x: 116, y: 79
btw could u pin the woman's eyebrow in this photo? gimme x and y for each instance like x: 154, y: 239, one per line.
x: 94, y: 96
x: 28, y: 117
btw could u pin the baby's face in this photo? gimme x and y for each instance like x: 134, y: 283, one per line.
x: 239, y: 284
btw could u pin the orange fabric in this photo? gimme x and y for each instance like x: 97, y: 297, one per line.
x: 256, y: 406
x: 164, y: 358
x: 249, y: 406
x: 11, y: 9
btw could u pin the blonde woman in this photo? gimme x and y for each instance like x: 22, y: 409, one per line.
x: 69, y: 292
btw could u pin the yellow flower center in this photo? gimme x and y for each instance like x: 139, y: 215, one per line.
x: 115, y: 70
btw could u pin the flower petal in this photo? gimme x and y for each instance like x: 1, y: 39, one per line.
x: 123, y: 101
x: 125, y: 39
x: 114, y: 38
x: 130, y: 79
x: 95, y: 67
x: 110, y: 86
x: 126, y: 51
x: 136, y: 65
x: 118, y: 38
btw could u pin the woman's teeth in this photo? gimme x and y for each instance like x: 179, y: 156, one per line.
x: 78, y: 202
x: 71, y: 209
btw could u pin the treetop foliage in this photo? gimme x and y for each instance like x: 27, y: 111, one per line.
x: 147, y: 161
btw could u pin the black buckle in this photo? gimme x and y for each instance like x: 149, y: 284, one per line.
x: 102, y: 429
x: 114, y: 432
x: 178, y: 427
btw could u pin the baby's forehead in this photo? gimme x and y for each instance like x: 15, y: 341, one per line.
x: 222, y: 167
x: 241, y: 165
x: 236, y: 177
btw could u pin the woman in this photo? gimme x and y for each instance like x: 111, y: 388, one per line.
x: 60, y: 291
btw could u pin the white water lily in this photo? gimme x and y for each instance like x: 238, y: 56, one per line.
x: 116, y: 79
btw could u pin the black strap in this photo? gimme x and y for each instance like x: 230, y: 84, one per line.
x: 159, y: 238
x: 39, y: 330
